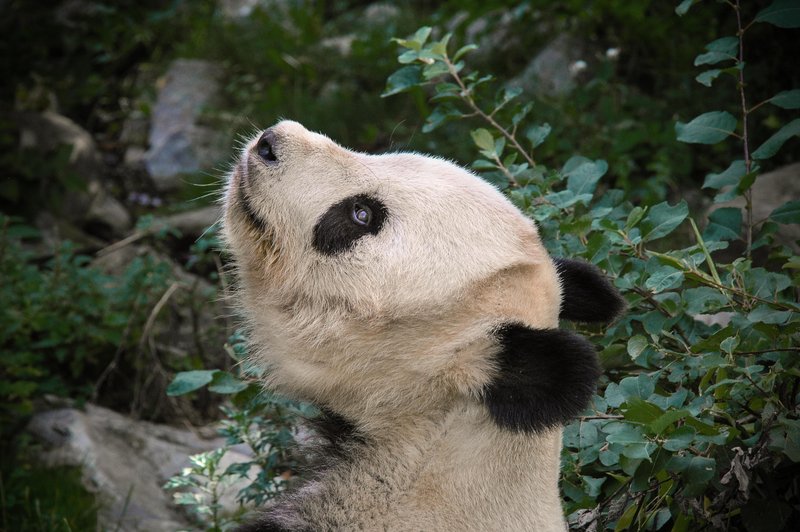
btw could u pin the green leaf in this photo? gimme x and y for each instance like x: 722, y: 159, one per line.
x: 703, y: 299
x: 684, y: 6
x: 681, y: 438
x: 707, y: 78
x: 720, y: 50
x: 786, y: 99
x: 636, y: 345
x: 441, y: 114
x: 730, y: 176
x: 662, y: 219
x: 664, y: 421
x: 483, y: 139
x: 766, y: 314
x: 189, y: 381
x: 421, y: 36
x: 583, y: 174
x: 724, y: 224
x: 664, y: 278
x: 537, y: 134
x: 225, y: 383
x: 402, y: 80
x: 782, y: 13
x: 729, y: 344
x: 697, y: 470
x: 641, y: 411
x: 708, y: 128
x: 788, y: 213
x: 463, y: 50
x: 774, y: 143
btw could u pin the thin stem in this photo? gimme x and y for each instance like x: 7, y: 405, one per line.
x: 465, y: 95
x: 748, y: 194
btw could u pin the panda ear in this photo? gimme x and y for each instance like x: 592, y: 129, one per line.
x: 586, y: 293
x: 545, y: 377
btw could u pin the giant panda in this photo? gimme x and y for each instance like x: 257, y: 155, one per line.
x: 418, y: 309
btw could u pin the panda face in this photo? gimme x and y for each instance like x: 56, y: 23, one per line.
x: 384, y: 235
x: 385, y: 285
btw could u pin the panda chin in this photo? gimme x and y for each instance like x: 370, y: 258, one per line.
x: 249, y: 212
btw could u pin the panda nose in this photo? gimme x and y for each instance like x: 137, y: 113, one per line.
x: 265, y: 147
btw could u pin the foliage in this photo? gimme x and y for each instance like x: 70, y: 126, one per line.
x: 65, y: 324
x: 696, y: 424
x: 44, y: 499
x: 63, y: 321
x: 264, y: 423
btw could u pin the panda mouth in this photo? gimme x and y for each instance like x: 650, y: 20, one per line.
x: 249, y: 211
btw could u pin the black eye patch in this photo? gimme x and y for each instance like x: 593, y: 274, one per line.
x: 345, y: 222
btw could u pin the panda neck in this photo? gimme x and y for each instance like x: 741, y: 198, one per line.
x: 453, y: 463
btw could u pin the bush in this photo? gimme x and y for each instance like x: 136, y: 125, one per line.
x: 695, y: 424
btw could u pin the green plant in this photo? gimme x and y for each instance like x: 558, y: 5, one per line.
x: 265, y: 423
x: 696, y: 424
x: 66, y: 326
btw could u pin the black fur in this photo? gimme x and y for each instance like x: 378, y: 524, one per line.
x: 587, y: 294
x: 266, y: 523
x: 547, y: 376
x: 339, y: 436
x: 336, y: 231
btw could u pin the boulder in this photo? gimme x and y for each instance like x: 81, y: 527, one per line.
x: 124, y: 461
x: 555, y: 69
x: 195, y: 222
x: 46, y: 133
x: 179, y: 142
x: 770, y: 191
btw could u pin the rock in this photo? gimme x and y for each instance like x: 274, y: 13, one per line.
x: 125, y: 462
x: 236, y: 9
x: 342, y: 44
x: 555, y: 69
x: 47, y: 132
x: 179, y: 143
x: 770, y: 191
x: 380, y: 13
x: 194, y: 223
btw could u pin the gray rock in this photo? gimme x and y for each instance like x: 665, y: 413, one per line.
x: 179, y: 143
x: 770, y: 191
x: 195, y: 222
x: 380, y: 13
x: 555, y: 69
x: 235, y: 9
x: 45, y: 133
x: 125, y: 462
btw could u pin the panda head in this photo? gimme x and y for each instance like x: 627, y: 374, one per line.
x: 394, y: 286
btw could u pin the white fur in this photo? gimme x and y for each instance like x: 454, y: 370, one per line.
x: 395, y: 333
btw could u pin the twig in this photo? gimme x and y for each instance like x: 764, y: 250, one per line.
x: 748, y: 194
x: 156, y: 309
x: 465, y: 95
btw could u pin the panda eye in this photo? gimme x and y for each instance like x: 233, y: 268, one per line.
x: 361, y: 214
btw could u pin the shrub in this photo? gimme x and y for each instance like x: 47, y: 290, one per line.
x: 696, y: 424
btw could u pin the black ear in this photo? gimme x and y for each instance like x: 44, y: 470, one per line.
x: 586, y: 293
x: 546, y: 377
